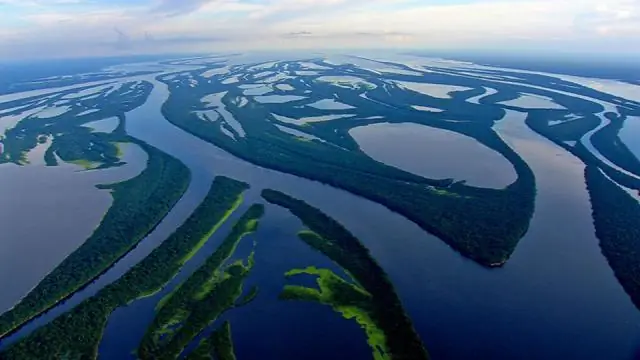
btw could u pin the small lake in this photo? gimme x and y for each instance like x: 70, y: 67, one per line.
x: 435, y: 153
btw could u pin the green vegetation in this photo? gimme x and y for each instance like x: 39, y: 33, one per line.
x: 203, y: 297
x: 77, y: 333
x: 138, y: 207
x: 71, y: 140
x: 251, y: 295
x: 371, y: 300
x: 218, y: 346
x: 482, y: 224
x: 350, y: 300
x: 616, y: 217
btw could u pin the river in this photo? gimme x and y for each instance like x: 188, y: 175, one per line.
x: 556, y: 297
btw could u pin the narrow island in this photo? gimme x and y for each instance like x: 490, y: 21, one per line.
x: 616, y: 217
x: 369, y: 298
x: 77, y: 334
x: 211, y: 290
x: 217, y: 346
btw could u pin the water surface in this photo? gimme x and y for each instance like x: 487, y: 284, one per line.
x: 435, y: 153
x: 48, y: 212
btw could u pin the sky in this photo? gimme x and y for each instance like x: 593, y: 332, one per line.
x: 77, y: 28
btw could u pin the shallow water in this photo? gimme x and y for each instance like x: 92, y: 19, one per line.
x: 215, y: 101
x: 277, y: 99
x: 434, y: 90
x: 105, y: 125
x: 435, y: 153
x: 349, y: 82
x: 528, y: 101
x: 426, y: 108
x: 285, y: 87
x: 488, y: 92
x: 36, y: 238
x: 330, y: 104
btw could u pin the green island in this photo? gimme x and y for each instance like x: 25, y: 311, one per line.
x: 482, y: 224
x: 211, y: 290
x: 371, y: 299
x: 616, y: 216
x: 218, y: 346
x: 139, y: 205
x: 77, y: 333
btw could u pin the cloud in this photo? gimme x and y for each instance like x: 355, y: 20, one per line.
x: 298, y: 34
x: 198, y: 25
x: 179, y: 7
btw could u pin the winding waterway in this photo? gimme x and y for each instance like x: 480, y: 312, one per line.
x: 556, y: 297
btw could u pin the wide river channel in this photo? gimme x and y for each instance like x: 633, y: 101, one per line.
x: 555, y: 299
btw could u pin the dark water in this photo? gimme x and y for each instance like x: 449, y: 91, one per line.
x: 556, y: 299
x: 268, y: 327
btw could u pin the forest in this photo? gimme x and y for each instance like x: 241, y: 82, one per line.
x: 139, y: 204
x: 616, y: 217
x: 196, y: 303
x: 77, y: 334
x: 373, y: 296
x: 218, y: 346
x: 482, y: 224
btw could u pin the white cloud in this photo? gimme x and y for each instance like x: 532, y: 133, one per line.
x: 579, y: 24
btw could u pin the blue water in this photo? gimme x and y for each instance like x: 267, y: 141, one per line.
x: 555, y: 299
x: 265, y: 321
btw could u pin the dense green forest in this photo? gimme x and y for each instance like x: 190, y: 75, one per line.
x: 616, y: 217
x: 218, y: 346
x: 483, y: 224
x: 77, y: 334
x: 372, y: 300
x: 205, y: 295
x: 139, y: 204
